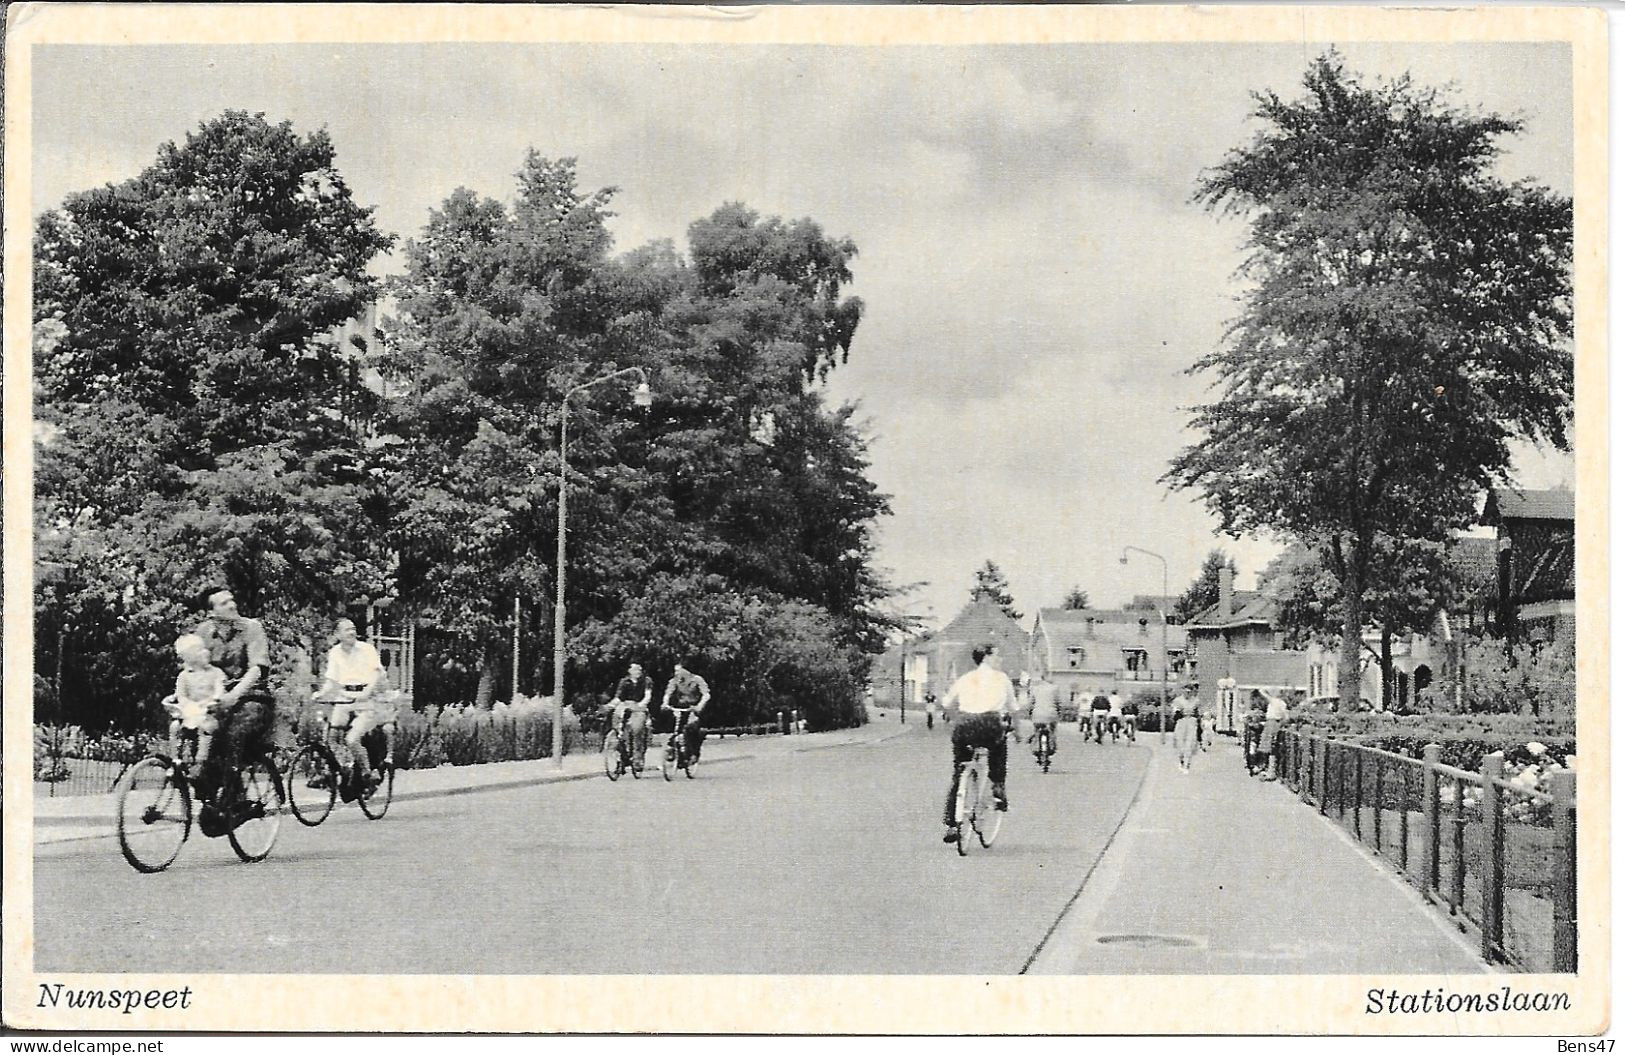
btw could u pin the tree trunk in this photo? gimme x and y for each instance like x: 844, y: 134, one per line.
x: 1348, y: 663
x: 1387, y: 669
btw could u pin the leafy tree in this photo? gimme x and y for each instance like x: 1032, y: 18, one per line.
x: 1410, y: 582
x: 991, y: 585
x: 1203, y: 592
x: 1409, y: 315
x: 195, y: 418
x: 739, y: 476
x: 1076, y: 599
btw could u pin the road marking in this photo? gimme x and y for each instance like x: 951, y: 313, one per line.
x: 1059, y: 957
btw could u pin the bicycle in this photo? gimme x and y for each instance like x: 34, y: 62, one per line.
x: 316, y: 780
x: 155, y: 806
x: 1045, y: 747
x: 974, y: 808
x: 676, y: 755
x: 620, y: 754
x: 1131, y: 724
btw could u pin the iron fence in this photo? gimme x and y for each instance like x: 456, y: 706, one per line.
x: 1495, y: 854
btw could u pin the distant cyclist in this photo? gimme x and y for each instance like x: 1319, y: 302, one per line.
x: 1043, y: 698
x: 1114, y: 713
x: 985, y: 700
x: 692, y: 694
x: 1099, y: 707
x: 630, y: 708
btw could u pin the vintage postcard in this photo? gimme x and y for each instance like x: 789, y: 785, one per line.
x: 1031, y: 520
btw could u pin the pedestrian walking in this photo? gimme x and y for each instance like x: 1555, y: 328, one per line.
x: 1185, y: 720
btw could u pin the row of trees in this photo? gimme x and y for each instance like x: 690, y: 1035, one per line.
x: 197, y: 421
x: 1409, y: 316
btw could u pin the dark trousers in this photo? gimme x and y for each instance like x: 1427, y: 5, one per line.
x: 970, y: 732
x: 243, y: 731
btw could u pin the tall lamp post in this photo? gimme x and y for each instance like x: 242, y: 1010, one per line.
x: 642, y: 398
x: 1162, y: 618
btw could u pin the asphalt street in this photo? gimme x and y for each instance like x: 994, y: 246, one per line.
x: 817, y: 861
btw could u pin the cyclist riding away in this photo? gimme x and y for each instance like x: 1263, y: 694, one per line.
x: 355, y: 673
x: 1114, y: 713
x: 198, y: 688
x: 239, y: 648
x: 692, y: 694
x: 1098, y: 709
x: 1046, y: 711
x: 985, y: 700
x: 631, y: 709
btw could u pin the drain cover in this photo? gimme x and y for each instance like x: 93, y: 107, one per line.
x: 1174, y: 941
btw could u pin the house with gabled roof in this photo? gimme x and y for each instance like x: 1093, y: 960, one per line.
x: 1535, y: 561
x: 935, y: 660
x: 1235, y: 641
x: 1085, y: 651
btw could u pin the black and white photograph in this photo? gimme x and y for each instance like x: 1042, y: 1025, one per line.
x: 519, y: 505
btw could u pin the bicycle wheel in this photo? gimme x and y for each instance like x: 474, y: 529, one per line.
x: 987, y: 817
x: 154, y: 815
x: 612, y: 755
x: 965, y: 809
x: 668, y: 760
x: 313, y: 784
x: 258, y: 809
x: 375, y: 803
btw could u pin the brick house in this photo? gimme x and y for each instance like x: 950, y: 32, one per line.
x: 1236, y: 640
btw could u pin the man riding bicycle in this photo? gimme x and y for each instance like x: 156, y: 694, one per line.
x: 629, y: 710
x: 1043, y: 698
x: 238, y: 647
x: 986, y: 701
x: 692, y: 694
x: 354, y: 679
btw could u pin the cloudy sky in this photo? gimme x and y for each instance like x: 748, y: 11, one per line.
x: 1036, y: 279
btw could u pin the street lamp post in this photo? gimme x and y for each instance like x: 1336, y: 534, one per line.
x: 1162, y: 618
x: 641, y: 397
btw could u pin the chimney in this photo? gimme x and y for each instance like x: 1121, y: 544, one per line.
x: 1226, y: 592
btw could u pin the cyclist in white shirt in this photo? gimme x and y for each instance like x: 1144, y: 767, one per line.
x: 985, y: 700
x: 1114, y: 713
x: 354, y: 670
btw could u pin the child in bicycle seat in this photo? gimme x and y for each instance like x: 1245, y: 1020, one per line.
x: 199, y: 685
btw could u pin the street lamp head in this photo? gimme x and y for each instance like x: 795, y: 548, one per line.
x: 641, y: 396
x: 1123, y: 559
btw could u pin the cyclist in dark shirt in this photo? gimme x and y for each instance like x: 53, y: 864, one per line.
x: 692, y: 694
x: 630, y: 707
x: 237, y: 646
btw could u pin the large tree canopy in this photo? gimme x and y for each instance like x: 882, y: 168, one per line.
x: 194, y: 417
x: 1409, y: 315
x: 739, y: 488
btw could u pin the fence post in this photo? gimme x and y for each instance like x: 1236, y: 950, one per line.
x: 1494, y: 868
x: 1565, y: 936
x: 1430, y: 817
x: 1359, y: 793
x: 1304, y: 762
x: 1380, y: 768
x: 1323, y: 747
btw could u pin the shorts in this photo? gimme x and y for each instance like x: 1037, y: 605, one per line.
x: 361, y: 718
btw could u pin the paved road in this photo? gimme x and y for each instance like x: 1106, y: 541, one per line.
x: 810, y: 862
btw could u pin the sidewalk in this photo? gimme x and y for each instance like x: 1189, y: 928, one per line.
x: 92, y: 816
x: 1216, y: 872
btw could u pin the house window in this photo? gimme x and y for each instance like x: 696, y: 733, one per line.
x: 1136, y: 660
x: 1074, y: 658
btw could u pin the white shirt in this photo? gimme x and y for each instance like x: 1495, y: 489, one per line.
x: 357, y: 665
x: 1115, y: 708
x: 1275, y: 711
x: 982, y: 691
